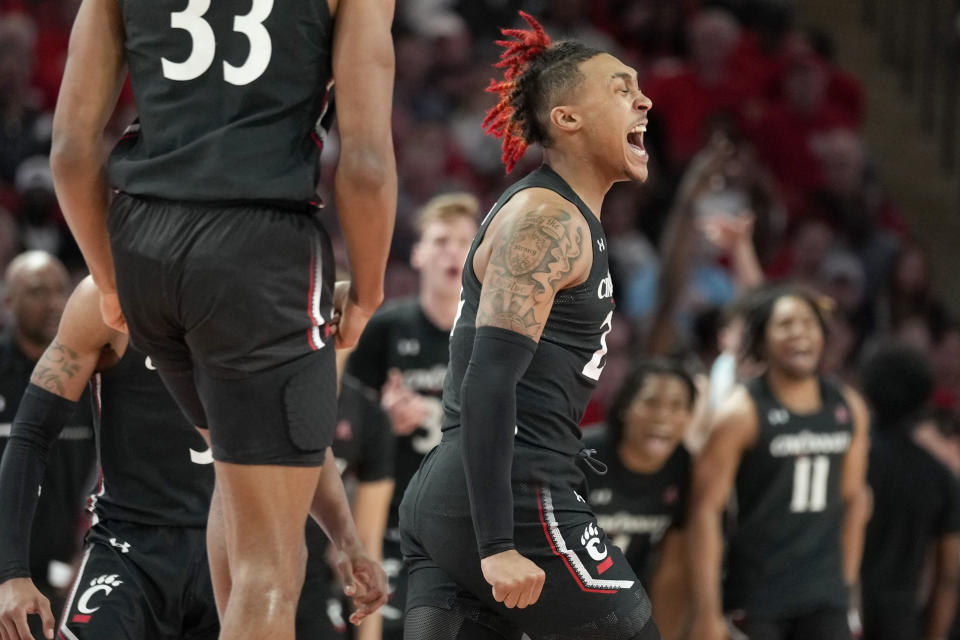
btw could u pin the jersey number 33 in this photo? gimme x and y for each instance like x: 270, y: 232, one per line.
x: 203, y: 43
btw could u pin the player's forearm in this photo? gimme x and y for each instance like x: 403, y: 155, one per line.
x: 81, y: 188
x: 488, y: 415
x: 746, y: 265
x: 855, y: 515
x: 40, y: 418
x: 371, y: 506
x: 704, y: 545
x: 366, y: 194
x: 331, y: 509
x: 942, y: 608
x: 943, y: 598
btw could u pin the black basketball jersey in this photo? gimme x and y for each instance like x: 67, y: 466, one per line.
x: 229, y: 95
x: 637, y: 509
x: 400, y: 336
x: 155, y: 468
x: 784, y: 554
x: 363, y: 442
x: 553, y: 393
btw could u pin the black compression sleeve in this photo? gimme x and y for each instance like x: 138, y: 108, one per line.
x: 488, y: 415
x: 40, y: 418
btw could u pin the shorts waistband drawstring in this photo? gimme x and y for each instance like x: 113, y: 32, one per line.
x: 597, y: 466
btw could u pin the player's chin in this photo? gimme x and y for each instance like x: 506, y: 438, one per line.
x: 635, y: 167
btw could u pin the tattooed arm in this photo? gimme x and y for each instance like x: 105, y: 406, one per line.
x: 66, y: 366
x: 530, y: 256
x: 57, y: 382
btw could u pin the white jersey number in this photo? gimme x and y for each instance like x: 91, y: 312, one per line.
x: 203, y: 43
x: 594, y: 368
x: 810, y: 484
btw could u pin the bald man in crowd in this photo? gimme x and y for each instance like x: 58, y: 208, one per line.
x: 35, y: 290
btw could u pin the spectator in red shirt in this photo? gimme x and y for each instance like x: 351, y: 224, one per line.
x: 709, y: 84
x: 788, y: 134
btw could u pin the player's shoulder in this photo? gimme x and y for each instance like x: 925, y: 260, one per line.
x: 737, y: 417
x: 543, y: 204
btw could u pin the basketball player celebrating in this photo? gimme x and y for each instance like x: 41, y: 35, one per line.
x: 224, y: 273
x: 795, y: 447
x: 496, y: 535
x: 145, y: 572
x: 641, y: 502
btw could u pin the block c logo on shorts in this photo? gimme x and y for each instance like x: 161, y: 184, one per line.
x: 104, y: 584
x: 596, y: 549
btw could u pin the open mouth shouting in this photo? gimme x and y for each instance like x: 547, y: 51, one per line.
x: 635, y: 139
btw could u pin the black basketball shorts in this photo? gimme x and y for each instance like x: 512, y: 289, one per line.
x: 142, y: 583
x: 232, y: 304
x: 590, y: 593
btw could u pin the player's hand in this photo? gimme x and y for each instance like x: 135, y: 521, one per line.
x: 407, y: 408
x: 364, y: 582
x: 111, y: 312
x: 18, y: 599
x: 516, y: 581
x: 349, y: 316
x: 706, y: 170
x: 708, y: 627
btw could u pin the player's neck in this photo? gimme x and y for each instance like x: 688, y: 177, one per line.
x: 586, y: 180
x: 635, y: 461
x: 439, y: 307
x: 799, y: 395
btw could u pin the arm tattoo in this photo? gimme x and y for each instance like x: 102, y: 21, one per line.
x: 57, y: 363
x: 538, y: 252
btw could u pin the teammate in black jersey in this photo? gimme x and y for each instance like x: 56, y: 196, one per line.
x: 404, y: 352
x: 224, y: 273
x: 916, y: 513
x: 36, y: 288
x: 794, y: 447
x: 641, y: 502
x: 496, y: 533
x: 144, y: 574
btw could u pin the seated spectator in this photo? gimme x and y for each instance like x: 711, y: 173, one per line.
x: 909, y: 293
x: 809, y: 243
x: 843, y: 91
x: 24, y: 128
x: 852, y: 202
x: 787, y: 135
x: 710, y: 83
x: 916, y: 506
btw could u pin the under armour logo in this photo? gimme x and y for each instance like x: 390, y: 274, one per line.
x: 778, y: 416
x: 408, y: 347
x: 601, y: 245
x: 123, y: 546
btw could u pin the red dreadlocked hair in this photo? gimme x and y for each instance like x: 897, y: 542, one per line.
x: 515, y: 58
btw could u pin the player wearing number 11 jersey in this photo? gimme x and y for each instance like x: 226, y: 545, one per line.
x: 224, y: 274
x: 794, y: 447
x: 496, y: 532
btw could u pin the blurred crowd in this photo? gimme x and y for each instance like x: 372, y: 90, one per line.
x: 798, y: 198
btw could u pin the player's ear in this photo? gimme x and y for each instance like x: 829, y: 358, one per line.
x: 566, y: 118
x: 416, y: 257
